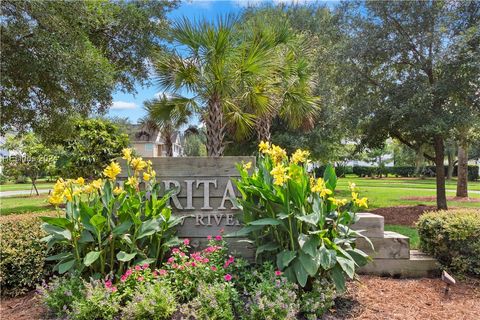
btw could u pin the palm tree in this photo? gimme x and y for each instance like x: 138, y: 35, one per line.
x: 167, y: 115
x: 203, y: 64
x: 288, y: 89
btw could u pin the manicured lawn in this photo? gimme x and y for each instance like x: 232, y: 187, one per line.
x: 23, y: 204
x: 24, y: 186
x: 388, y: 192
x: 410, y: 232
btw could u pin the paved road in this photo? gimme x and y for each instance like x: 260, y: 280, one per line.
x: 21, y: 192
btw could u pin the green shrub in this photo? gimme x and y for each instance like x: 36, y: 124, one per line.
x: 152, y: 301
x: 98, y: 303
x: 213, y: 302
x: 316, y: 302
x: 453, y: 238
x: 59, y: 295
x: 22, y: 254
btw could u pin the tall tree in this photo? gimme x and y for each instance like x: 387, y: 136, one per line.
x: 64, y: 58
x: 396, y: 65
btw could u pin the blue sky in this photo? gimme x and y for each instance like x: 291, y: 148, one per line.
x: 131, y: 106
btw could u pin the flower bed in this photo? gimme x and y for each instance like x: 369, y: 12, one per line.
x: 122, y: 259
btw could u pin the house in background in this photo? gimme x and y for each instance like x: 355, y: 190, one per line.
x: 150, y: 143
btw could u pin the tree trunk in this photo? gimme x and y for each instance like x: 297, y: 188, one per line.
x: 440, y: 172
x: 215, y: 128
x: 35, y: 186
x: 451, y: 160
x: 419, y: 161
x: 168, y: 139
x: 262, y: 127
x: 462, y: 172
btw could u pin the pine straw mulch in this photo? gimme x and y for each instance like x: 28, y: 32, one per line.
x: 372, y: 298
x: 385, y: 298
x: 402, y: 215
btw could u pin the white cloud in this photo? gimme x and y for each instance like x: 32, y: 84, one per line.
x: 123, y: 105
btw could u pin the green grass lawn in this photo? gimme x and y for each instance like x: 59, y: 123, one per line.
x: 410, y: 232
x: 23, y: 204
x: 24, y: 186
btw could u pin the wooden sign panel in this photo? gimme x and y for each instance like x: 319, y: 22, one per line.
x: 205, y: 188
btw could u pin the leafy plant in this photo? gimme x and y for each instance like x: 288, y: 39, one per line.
x: 107, y: 228
x: 295, y: 219
x: 97, y: 303
x: 60, y: 293
x: 316, y: 302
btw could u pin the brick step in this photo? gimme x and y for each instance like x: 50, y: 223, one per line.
x: 419, y: 265
x: 391, y: 246
x: 371, y: 224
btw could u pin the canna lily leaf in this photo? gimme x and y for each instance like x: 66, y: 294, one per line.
x: 59, y: 222
x: 65, y: 266
x: 347, y: 265
x: 122, y: 228
x: 312, y: 218
x: 266, y: 222
x: 327, y: 258
x: 125, y: 257
x: 57, y: 232
x: 91, y: 257
x: 59, y: 256
x: 338, y: 278
x: 284, y: 258
x: 309, y: 263
x: 300, y: 272
x: 266, y: 247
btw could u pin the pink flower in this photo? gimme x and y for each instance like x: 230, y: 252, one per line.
x: 278, y: 273
x: 140, y: 279
x: 218, y: 238
x: 155, y: 273
x: 227, y: 277
x: 205, y: 260
x: 162, y: 272
x: 193, y: 264
x: 108, y: 284
x: 213, y: 268
x: 123, y: 278
x: 145, y: 266
x: 170, y: 260
x: 182, y: 254
x: 209, y: 238
x: 175, y: 250
x: 128, y: 272
x: 222, y: 230
x: 186, y: 242
x: 138, y: 268
x: 231, y: 259
x: 114, y: 289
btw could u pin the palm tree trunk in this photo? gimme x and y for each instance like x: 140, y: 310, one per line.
x: 262, y: 127
x: 215, y: 128
x: 462, y: 172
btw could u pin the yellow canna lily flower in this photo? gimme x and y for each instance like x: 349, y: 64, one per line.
x: 138, y: 164
x: 300, y: 156
x: 146, y: 176
x: 127, y: 154
x: 80, y: 181
x: 263, y: 147
x: 97, y: 184
x: 55, y: 200
x: 117, y: 191
x: 112, y: 170
x: 247, y: 165
x: 279, y: 174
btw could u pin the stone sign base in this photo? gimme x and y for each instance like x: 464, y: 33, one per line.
x: 391, y: 255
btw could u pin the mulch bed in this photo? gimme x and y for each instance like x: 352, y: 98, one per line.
x: 371, y: 298
x: 403, y: 215
x: 433, y: 198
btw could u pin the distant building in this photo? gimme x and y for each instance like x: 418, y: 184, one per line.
x: 150, y: 143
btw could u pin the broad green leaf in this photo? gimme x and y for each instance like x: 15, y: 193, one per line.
x: 86, y: 237
x: 98, y: 221
x: 312, y: 218
x: 148, y: 228
x: 327, y: 258
x: 284, y: 258
x: 91, y: 257
x: 244, y: 231
x: 266, y: 222
x: 309, y: 244
x: 123, y: 256
x: 338, y: 278
x: 57, y: 232
x: 59, y: 222
x: 330, y: 177
x: 309, y: 263
x: 347, y: 265
x: 122, y: 228
x: 266, y: 247
x: 59, y: 256
x: 300, y: 272
x: 65, y: 266
x: 360, y: 257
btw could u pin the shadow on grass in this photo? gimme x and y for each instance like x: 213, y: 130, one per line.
x: 23, y: 209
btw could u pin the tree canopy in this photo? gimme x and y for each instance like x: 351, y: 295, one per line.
x: 64, y: 58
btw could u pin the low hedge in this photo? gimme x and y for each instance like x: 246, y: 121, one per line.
x: 453, y: 238
x: 22, y: 254
x: 340, y: 171
x: 406, y: 171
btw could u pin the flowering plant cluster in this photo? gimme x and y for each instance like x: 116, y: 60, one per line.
x: 106, y: 227
x: 295, y: 219
x: 204, y: 284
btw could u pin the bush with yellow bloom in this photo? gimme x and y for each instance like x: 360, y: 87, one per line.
x: 106, y: 228
x: 295, y: 217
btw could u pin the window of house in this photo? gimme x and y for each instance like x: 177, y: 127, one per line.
x: 148, y: 147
